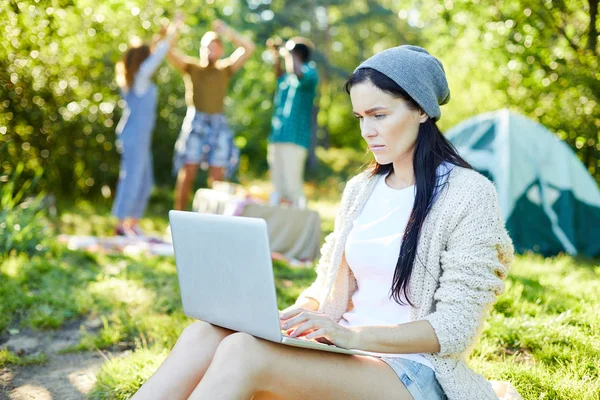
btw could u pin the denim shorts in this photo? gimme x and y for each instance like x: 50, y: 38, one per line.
x: 419, y: 379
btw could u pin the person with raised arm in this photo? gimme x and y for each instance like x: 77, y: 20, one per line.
x: 134, y: 130
x: 206, y: 140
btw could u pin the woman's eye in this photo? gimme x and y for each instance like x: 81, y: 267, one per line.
x: 358, y: 117
x: 379, y: 116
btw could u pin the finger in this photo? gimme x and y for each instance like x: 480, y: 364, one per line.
x: 303, y: 334
x: 302, y: 328
x: 318, y: 333
x: 304, y: 315
x: 287, y: 314
x: 292, y: 322
x: 288, y: 332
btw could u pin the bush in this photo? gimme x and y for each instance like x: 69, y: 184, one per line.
x: 23, y: 224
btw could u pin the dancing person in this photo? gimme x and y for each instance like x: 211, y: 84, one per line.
x: 206, y: 139
x: 289, y: 140
x: 134, y: 130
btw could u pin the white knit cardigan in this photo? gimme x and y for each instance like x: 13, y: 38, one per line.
x: 462, y: 257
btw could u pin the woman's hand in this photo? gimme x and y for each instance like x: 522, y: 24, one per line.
x: 179, y: 18
x: 317, y: 326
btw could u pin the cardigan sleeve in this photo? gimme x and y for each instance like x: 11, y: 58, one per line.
x: 317, y: 289
x: 474, y: 264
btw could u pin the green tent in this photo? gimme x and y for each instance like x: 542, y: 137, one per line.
x: 548, y: 199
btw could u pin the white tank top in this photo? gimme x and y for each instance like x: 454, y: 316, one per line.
x: 372, y: 250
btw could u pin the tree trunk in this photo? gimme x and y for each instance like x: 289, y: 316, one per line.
x: 593, y: 32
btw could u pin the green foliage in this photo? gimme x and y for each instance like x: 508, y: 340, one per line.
x: 339, y: 164
x: 538, y: 58
x: 23, y: 227
x: 59, y: 103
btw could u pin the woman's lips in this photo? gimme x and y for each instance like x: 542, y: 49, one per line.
x: 376, y: 147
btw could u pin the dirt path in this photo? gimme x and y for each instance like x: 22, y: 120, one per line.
x: 63, y: 377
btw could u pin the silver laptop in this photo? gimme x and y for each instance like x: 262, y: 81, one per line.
x: 226, y: 275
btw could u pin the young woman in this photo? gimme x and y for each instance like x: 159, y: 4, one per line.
x: 134, y: 130
x: 418, y: 254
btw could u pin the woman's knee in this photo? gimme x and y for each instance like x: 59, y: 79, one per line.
x: 201, y: 332
x: 245, y: 351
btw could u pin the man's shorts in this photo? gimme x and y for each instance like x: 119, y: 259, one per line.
x: 205, y: 139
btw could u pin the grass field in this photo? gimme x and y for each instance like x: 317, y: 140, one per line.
x: 543, y: 334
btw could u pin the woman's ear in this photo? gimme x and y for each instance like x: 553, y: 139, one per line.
x: 423, y: 116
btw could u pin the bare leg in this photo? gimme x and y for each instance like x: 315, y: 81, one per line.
x: 244, y: 366
x: 185, y: 366
x: 215, y: 174
x: 185, y: 181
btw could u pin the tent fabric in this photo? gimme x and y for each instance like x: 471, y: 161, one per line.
x: 549, y: 200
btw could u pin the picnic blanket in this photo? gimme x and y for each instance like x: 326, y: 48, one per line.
x: 118, y: 244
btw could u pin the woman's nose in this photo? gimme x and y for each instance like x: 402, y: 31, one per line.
x: 367, y: 129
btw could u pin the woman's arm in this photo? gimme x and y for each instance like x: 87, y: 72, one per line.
x: 475, y: 262
x: 412, y: 337
x: 317, y: 289
x: 150, y: 64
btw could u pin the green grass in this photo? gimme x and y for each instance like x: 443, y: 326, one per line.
x: 543, y: 334
x: 9, y: 358
x: 137, y: 368
x: 93, y: 217
x: 45, y: 291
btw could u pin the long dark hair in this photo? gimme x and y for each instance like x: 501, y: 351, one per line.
x: 431, y: 150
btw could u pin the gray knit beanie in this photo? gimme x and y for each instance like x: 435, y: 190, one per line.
x: 416, y: 71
